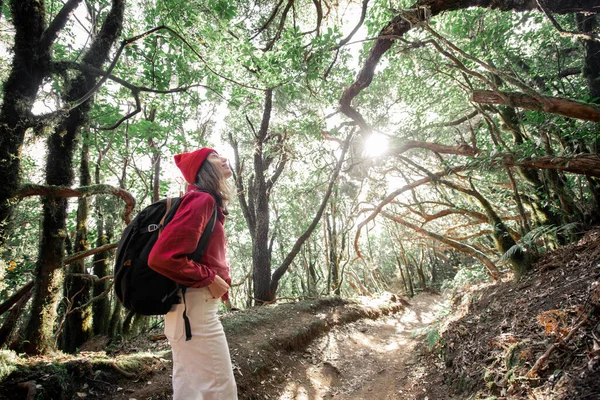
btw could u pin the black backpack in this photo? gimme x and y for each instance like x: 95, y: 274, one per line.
x: 139, y: 288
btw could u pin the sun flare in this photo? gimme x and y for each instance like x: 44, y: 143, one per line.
x: 375, y: 145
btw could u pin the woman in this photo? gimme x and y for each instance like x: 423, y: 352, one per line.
x: 201, y: 366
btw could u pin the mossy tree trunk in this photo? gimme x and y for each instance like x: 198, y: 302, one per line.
x: 28, y: 69
x: 101, y: 268
x: 539, y: 194
x: 335, y: 249
x: 59, y: 172
x: 78, y: 321
x: 588, y: 23
x: 101, y: 307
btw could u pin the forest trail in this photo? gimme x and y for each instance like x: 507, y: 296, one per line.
x: 365, y: 359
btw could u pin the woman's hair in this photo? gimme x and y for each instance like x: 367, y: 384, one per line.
x: 212, y: 180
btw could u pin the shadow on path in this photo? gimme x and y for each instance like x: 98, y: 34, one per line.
x: 367, y: 359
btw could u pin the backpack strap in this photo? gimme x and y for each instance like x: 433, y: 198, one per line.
x: 202, y: 243
x: 161, y: 224
x: 186, y: 320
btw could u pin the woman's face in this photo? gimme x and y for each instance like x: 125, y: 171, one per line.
x: 220, y: 163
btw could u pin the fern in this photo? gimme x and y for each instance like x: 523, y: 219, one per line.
x: 529, y: 242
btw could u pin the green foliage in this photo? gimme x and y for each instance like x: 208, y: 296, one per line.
x: 537, y: 240
x: 467, y: 275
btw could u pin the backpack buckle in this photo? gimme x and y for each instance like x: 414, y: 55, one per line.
x: 153, y: 227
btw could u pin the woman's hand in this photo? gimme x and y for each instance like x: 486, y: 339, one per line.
x: 218, y: 288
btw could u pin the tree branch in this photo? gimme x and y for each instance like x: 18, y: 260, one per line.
x: 280, y: 167
x: 270, y: 44
x: 392, y: 196
x: 553, y: 105
x: 4, y: 307
x: 269, y: 20
x: 59, y: 22
x: 463, y: 248
x: 84, y: 191
x: 363, y: 13
x: 91, y: 252
x: 239, y: 183
x: 587, y: 164
x: 422, y: 11
x: 561, y: 30
x: 455, y: 122
x: 462, y: 150
x: 317, y: 4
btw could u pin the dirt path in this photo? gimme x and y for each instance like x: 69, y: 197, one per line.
x: 368, y: 359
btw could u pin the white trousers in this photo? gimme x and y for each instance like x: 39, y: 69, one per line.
x: 201, y: 366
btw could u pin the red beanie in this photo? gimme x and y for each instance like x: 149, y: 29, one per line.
x: 190, y: 163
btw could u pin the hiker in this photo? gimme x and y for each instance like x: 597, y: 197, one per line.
x: 202, y: 367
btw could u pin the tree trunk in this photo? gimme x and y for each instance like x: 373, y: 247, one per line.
x: 542, y: 207
x: 433, y: 262
x: 409, y: 278
x: 411, y: 289
x: 333, y: 259
x: 591, y: 71
x: 27, y: 72
x: 261, y: 256
x: 78, y: 326
x: 587, y: 23
x: 256, y: 207
x: 570, y: 212
x: 61, y: 145
x: 420, y: 272
x: 404, y: 283
x: 101, y: 307
x: 115, y: 327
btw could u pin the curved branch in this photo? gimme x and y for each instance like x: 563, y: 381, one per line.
x: 270, y: 45
x: 392, y: 196
x: 455, y: 122
x: 57, y: 65
x: 581, y: 164
x: 126, y: 43
x: 138, y: 109
x: 363, y: 13
x: 463, y: 248
x: 83, y: 191
x: 560, y: 30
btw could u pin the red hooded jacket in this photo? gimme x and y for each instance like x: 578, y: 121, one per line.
x: 179, y: 239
